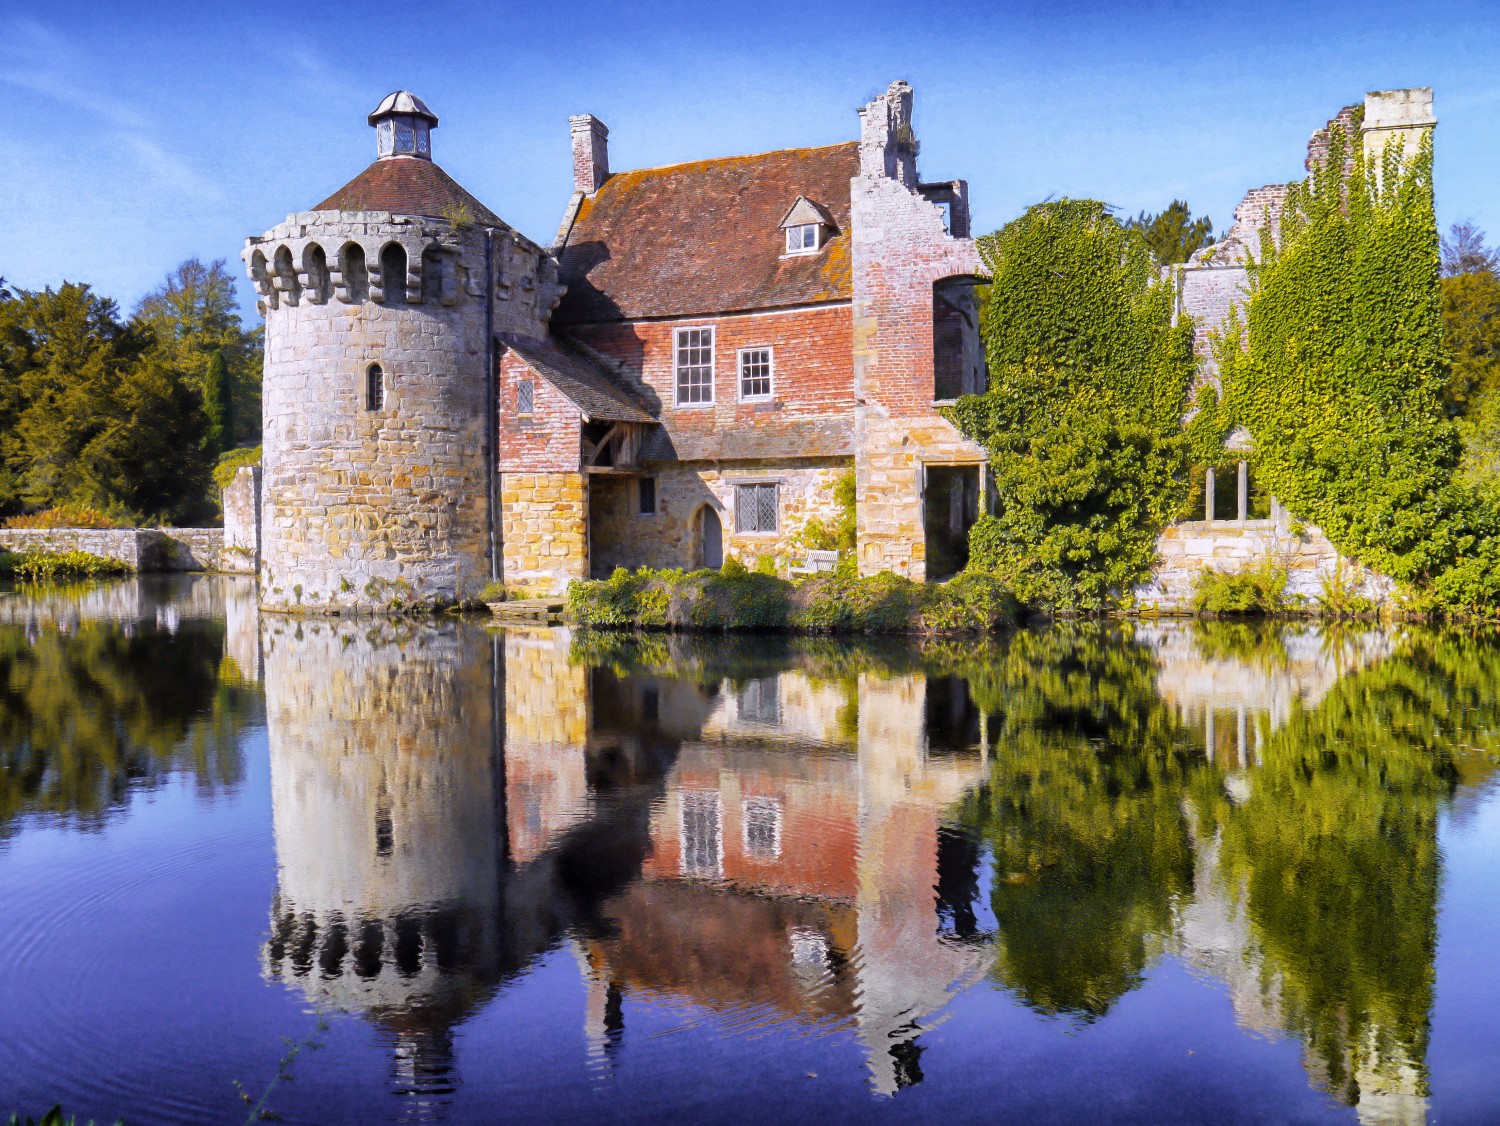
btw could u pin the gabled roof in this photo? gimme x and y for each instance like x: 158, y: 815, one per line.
x: 806, y: 211
x: 579, y: 380
x: 407, y: 185
x: 705, y: 238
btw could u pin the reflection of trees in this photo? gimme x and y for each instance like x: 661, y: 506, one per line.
x: 1083, y: 815
x: 1335, y: 850
x: 89, y: 712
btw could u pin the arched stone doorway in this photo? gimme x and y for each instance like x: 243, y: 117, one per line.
x: 710, y: 539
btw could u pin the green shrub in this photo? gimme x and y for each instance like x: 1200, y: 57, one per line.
x: 232, y: 462
x: 837, y: 602
x: 68, y: 516
x: 1261, y: 591
x: 493, y: 592
x: 43, y: 566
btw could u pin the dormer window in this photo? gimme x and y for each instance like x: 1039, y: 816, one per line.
x: 807, y: 226
x: 802, y: 239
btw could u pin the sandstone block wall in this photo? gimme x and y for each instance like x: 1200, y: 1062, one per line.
x: 1186, y: 550
x: 545, y: 517
x: 364, y: 506
x: 241, y: 500
x: 140, y: 549
x: 621, y: 537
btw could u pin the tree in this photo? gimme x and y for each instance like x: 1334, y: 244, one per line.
x: 192, y: 316
x: 1173, y: 235
x: 1464, y: 251
x: 218, y: 404
x: 1083, y: 419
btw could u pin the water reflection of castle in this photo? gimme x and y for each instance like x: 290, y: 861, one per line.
x: 448, y: 805
x: 765, y: 838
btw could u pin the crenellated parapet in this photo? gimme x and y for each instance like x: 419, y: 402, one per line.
x: 353, y: 257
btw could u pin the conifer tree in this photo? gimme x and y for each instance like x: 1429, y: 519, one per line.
x: 218, y: 404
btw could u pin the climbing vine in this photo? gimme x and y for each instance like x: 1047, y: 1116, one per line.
x: 1083, y: 419
x: 1340, y: 370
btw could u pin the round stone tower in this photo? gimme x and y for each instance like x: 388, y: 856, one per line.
x: 382, y: 305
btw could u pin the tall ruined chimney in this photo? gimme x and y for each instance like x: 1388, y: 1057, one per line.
x: 590, y: 152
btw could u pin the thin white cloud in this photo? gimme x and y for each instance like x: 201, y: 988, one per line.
x: 37, y: 59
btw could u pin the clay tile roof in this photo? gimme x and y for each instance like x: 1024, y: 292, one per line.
x: 579, y: 380
x: 706, y: 237
x: 408, y: 185
x: 806, y: 437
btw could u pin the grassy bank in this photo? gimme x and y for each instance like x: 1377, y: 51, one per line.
x: 44, y: 566
x: 735, y: 598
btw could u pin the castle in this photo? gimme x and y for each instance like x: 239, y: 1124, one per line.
x: 683, y: 376
x: 687, y: 374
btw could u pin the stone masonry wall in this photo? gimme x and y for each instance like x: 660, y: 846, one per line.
x: 544, y: 533
x: 360, y: 506
x: 901, y: 248
x: 1186, y: 550
x: 241, y: 501
x: 621, y: 537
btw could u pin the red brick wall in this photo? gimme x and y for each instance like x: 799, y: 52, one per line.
x: 814, y: 367
x: 546, y: 442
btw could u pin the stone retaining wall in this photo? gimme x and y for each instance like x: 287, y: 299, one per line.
x: 145, y: 550
x: 1186, y: 550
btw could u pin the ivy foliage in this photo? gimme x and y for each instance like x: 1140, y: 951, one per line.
x: 1342, y: 373
x: 1083, y: 419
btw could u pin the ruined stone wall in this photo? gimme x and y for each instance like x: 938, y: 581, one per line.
x: 621, y: 537
x: 901, y: 249
x: 1186, y: 550
x: 241, y: 500
x: 544, y: 531
x: 364, y: 506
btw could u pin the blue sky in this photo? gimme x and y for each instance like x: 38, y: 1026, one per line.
x: 141, y: 135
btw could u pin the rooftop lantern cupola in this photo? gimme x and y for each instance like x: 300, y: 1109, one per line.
x: 403, y: 126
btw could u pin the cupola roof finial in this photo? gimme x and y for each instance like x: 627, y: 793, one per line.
x: 403, y: 125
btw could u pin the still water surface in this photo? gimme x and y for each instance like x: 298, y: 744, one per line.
x: 1092, y: 873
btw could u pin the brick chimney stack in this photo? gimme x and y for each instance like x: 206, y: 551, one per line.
x: 590, y: 153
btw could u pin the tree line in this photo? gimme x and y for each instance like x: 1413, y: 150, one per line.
x: 125, y: 417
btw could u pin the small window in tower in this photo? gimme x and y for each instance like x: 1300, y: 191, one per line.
x: 405, y: 138
x: 526, y: 396
x: 646, y: 496
x: 802, y: 239
x: 374, y: 388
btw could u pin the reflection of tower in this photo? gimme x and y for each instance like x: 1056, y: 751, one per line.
x: 387, y: 811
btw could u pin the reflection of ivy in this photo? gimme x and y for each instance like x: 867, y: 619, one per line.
x: 87, y: 715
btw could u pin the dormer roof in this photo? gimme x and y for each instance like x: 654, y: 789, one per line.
x: 703, y: 238
x: 805, y: 211
x: 402, y: 101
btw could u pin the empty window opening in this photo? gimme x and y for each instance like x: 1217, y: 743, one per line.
x: 319, y: 287
x: 356, y: 273
x: 374, y: 388
x: 802, y: 239
x: 958, y: 364
x: 1226, y: 493
x: 651, y: 703
x: 950, y: 505
x: 755, y: 374
x: 290, y: 284
x: 762, y: 828
x: 702, y: 834
x: 646, y: 496
x: 695, y: 366
x: 393, y: 274
x: 526, y: 396
x: 755, y: 508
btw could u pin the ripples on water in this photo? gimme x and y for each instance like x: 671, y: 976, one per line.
x: 1086, y: 872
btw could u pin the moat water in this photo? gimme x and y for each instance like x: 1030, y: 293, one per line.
x: 1082, y: 873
